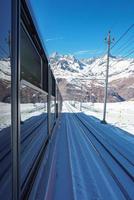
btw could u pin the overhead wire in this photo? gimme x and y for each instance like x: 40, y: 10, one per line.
x: 130, y: 53
x: 122, y: 36
x: 124, y: 46
x: 101, y: 59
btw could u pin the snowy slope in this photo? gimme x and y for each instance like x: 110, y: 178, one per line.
x: 119, y: 68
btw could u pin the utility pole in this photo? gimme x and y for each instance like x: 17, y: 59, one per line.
x: 108, y: 40
x: 81, y: 99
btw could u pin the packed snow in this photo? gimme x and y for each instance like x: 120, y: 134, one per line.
x: 93, y: 160
x: 120, y: 114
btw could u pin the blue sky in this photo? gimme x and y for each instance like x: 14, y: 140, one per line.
x: 75, y: 26
x: 79, y: 26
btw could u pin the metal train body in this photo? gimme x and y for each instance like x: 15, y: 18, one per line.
x: 33, y: 101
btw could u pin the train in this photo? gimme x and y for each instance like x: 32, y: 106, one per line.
x: 31, y: 102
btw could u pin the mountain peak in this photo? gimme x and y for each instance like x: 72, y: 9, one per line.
x: 110, y: 55
x: 54, y: 55
x: 66, y: 62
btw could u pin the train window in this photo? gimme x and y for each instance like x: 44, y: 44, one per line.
x: 30, y: 60
x: 5, y: 100
x: 33, y: 101
x: 45, y: 75
x: 53, y: 85
x: 33, y: 107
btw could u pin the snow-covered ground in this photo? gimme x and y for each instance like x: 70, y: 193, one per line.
x: 120, y: 114
x: 95, y: 159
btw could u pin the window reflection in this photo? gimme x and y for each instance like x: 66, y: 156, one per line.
x: 5, y: 93
x: 53, y: 111
x: 33, y: 101
x: 5, y: 100
x: 33, y: 125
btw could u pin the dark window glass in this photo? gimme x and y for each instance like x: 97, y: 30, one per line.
x: 45, y: 75
x: 53, y: 85
x: 30, y: 60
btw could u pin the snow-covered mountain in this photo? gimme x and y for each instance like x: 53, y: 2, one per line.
x: 89, y: 74
x: 93, y: 67
x: 83, y: 79
x: 66, y: 63
x: 118, y: 68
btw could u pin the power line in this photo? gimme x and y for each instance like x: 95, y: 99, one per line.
x: 125, y: 47
x: 126, y: 43
x: 122, y: 36
x: 130, y: 53
x: 127, y: 53
x: 128, y: 50
x: 99, y: 60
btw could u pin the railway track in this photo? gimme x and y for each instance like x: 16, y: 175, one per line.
x: 120, y: 169
x: 118, y: 143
